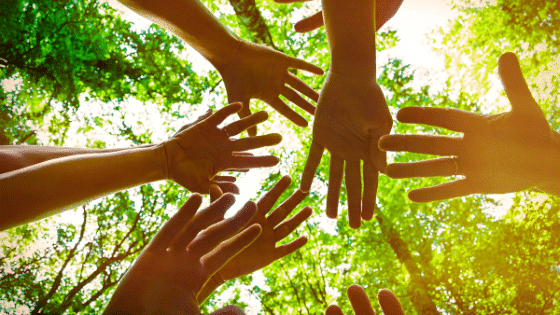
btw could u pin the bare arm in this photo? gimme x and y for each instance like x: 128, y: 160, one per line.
x: 46, y: 188
x: 13, y: 157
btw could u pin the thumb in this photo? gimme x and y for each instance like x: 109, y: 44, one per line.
x: 244, y: 112
x: 515, y: 85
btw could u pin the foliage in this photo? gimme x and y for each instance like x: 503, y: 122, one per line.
x: 71, y: 56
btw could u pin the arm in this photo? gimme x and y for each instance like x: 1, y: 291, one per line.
x: 248, y: 70
x: 352, y: 112
x: 193, y: 159
x: 191, y: 247
x: 49, y: 187
x: 384, y: 11
x: 13, y: 157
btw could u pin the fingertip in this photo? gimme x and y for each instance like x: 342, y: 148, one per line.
x: 354, y: 288
x: 355, y: 223
x: 308, y: 211
x: 416, y: 196
x: 237, y: 106
x: 405, y: 115
x: 276, y: 138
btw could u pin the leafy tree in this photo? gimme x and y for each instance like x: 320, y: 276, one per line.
x: 453, y: 256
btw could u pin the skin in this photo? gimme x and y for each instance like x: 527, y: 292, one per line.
x: 501, y: 153
x: 384, y: 11
x: 263, y: 251
x: 352, y: 113
x: 362, y: 306
x: 192, y: 158
x: 248, y: 70
x: 169, y: 274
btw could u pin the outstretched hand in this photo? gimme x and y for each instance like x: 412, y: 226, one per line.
x: 499, y: 153
x: 384, y: 11
x: 275, y: 228
x: 352, y: 115
x: 200, y: 151
x: 168, y: 275
x: 362, y: 305
x: 257, y: 71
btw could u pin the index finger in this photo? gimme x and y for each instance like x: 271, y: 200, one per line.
x: 221, y: 115
x: 389, y: 303
x: 310, y: 23
x: 448, y: 118
x: 359, y: 300
x: 266, y: 202
x: 304, y: 65
x: 313, y: 160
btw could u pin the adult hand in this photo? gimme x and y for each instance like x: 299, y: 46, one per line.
x: 198, y: 153
x: 168, y: 275
x: 500, y: 153
x: 256, y: 71
x: 352, y: 115
x: 362, y: 305
x: 264, y: 251
x: 384, y: 11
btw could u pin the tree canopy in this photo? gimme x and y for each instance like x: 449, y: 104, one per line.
x: 75, y: 73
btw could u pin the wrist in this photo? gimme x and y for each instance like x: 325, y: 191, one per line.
x: 228, y: 55
x: 163, y: 158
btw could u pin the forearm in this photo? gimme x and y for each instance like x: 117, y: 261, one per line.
x: 350, y: 26
x: 49, y: 187
x: 210, y: 286
x: 190, y: 20
x: 13, y: 157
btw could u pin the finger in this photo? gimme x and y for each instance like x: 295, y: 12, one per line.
x: 215, y: 192
x: 217, y: 259
x: 203, y: 219
x: 239, y: 126
x: 359, y: 300
x: 208, y: 239
x: 515, y: 85
x: 378, y: 157
x: 266, y: 202
x: 286, y: 249
x: 173, y: 226
x: 448, y: 190
x: 243, y: 154
x: 227, y: 187
x: 438, y: 145
x: 310, y: 24
x: 302, y: 87
x: 313, y: 160
x: 220, y: 178
x: 390, y: 305
x: 370, y: 190
x: 354, y: 193
x: 237, y: 163
x: 286, y: 207
x: 246, y: 112
x: 429, y: 168
x: 229, y: 310
x: 385, y: 10
x: 251, y: 143
x: 221, y: 115
x: 298, y: 100
x: 287, y: 112
x: 304, y: 65
x: 448, y: 118
x: 336, y: 173
x: 288, y: 226
x: 290, y: 1
x: 199, y: 119
x: 333, y: 310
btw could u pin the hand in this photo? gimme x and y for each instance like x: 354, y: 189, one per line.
x: 352, y: 115
x: 199, y: 152
x: 256, y: 71
x: 362, y: 306
x: 263, y: 251
x: 498, y: 153
x: 384, y: 11
x: 168, y: 275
